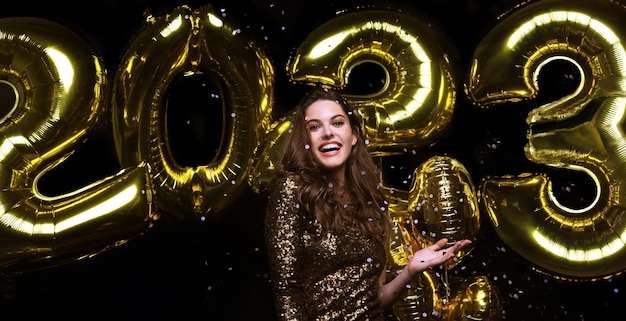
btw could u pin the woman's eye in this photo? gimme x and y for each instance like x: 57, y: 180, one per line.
x: 313, y: 127
x: 339, y: 123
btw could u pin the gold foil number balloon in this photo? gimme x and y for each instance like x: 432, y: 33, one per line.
x: 412, y: 110
x: 403, y: 242
x: 57, y: 86
x: 416, y: 104
x: 476, y: 299
x: 183, y: 43
x: 443, y: 203
x: 420, y: 300
x: 571, y: 243
x: 267, y: 156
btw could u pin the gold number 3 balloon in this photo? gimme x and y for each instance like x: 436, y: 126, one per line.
x: 56, y: 88
x: 570, y: 243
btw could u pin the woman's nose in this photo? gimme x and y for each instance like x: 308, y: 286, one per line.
x: 328, y: 132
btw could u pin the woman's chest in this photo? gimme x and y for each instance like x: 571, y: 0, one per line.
x: 345, y: 247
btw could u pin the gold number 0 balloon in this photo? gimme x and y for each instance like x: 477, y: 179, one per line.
x: 188, y: 42
x: 59, y: 87
x: 416, y: 104
x: 569, y: 243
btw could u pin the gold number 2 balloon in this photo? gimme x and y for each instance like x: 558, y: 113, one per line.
x: 189, y: 42
x: 570, y: 243
x: 416, y: 103
x: 412, y: 110
x: 56, y: 92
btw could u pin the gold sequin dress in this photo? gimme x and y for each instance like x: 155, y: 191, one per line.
x: 317, y: 274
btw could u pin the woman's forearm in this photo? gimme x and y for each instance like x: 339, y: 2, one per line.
x: 390, y: 292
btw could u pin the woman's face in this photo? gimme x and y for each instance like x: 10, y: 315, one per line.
x: 330, y: 134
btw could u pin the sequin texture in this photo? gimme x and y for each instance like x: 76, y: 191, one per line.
x: 318, y: 274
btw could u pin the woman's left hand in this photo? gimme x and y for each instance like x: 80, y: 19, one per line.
x: 434, y: 255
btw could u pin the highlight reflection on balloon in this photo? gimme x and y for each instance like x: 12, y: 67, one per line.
x: 443, y: 203
x: 585, y: 133
x: 183, y: 43
x: 416, y: 103
x: 59, y: 86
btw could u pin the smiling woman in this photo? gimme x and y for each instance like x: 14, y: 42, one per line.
x: 327, y: 222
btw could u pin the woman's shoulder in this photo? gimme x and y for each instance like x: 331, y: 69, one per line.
x: 284, y: 190
x: 287, y: 181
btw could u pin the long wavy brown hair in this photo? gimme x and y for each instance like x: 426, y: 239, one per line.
x: 361, y: 199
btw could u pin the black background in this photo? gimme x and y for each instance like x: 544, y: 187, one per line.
x: 184, y: 269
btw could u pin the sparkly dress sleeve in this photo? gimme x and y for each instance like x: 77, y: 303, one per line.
x: 283, y: 232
